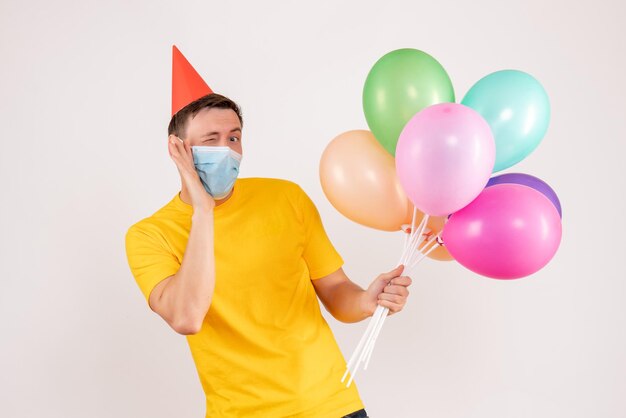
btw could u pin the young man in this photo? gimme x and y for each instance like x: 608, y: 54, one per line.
x: 237, y: 266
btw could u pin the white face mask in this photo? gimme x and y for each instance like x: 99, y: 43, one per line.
x: 218, y: 168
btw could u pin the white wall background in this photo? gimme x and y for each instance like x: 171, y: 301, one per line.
x: 84, y: 106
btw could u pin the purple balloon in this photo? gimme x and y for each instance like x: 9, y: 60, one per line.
x: 509, y: 231
x: 530, y: 181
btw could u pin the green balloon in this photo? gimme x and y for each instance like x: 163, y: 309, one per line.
x: 400, y: 84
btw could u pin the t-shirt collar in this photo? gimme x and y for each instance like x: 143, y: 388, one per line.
x: 188, y: 209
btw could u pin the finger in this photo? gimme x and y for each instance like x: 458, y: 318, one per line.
x: 176, y: 141
x: 173, y: 142
x: 188, y: 154
x: 393, y: 307
x: 171, y: 148
x: 176, y: 158
x: 188, y: 150
x: 396, y: 290
x: 393, y: 273
x: 182, y: 150
x: 175, y: 154
x: 392, y: 298
x: 402, y: 281
x: 183, y: 166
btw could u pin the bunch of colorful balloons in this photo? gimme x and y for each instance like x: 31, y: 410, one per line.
x: 428, y: 162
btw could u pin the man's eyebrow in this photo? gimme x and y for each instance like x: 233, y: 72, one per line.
x: 217, y: 133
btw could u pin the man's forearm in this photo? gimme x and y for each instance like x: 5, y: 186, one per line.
x: 347, y: 302
x: 187, y: 296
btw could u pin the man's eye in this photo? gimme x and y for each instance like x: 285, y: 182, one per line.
x: 234, y: 139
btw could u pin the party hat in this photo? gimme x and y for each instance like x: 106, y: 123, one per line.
x: 187, y: 85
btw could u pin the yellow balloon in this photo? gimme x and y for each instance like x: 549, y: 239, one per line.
x: 359, y: 178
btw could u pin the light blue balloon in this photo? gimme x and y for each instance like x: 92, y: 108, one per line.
x: 517, y: 109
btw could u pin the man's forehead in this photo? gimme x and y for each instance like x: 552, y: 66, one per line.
x: 217, y: 120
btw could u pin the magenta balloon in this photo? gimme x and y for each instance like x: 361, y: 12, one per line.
x: 509, y: 231
x: 444, y: 157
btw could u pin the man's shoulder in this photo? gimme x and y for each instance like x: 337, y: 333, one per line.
x: 145, y: 228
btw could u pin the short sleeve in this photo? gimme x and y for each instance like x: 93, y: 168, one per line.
x: 319, y: 253
x: 149, y: 259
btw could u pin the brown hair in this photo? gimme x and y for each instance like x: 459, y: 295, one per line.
x: 178, y: 123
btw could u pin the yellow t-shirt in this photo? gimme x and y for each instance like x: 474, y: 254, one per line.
x: 264, y: 349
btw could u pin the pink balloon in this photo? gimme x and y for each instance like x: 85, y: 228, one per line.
x: 444, y: 158
x: 509, y: 231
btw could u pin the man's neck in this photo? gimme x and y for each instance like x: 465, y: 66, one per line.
x: 184, y: 196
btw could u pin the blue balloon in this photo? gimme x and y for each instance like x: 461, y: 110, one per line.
x: 517, y: 109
